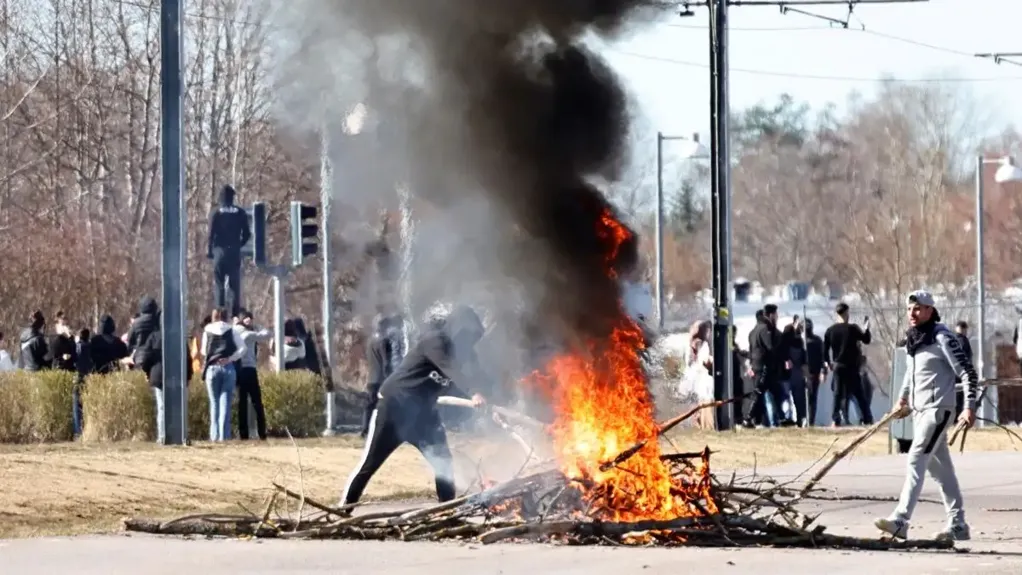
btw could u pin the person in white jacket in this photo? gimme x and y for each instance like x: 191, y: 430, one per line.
x: 6, y: 363
x: 222, y: 346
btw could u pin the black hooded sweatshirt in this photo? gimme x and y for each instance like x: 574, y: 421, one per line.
x: 146, y: 323
x: 228, y: 226
x: 34, y: 352
x: 311, y: 359
x: 63, y: 353
x: 107, y: 349
x: 766, y: 352
x: 151, y: 360
x: 439, y: 361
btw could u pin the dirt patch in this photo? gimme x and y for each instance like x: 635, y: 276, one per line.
x: 73, y: 488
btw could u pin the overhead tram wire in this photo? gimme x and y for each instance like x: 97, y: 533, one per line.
x: 801, y: 76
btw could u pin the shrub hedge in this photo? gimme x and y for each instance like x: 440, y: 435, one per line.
x: 36, y: 407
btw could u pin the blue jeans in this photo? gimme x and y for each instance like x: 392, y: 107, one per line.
x: 220, y: 383
x: 161, y: 430
x: 795, y: 389
x: 76, y: 409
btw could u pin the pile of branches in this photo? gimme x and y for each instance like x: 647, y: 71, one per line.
x: 546, y: 505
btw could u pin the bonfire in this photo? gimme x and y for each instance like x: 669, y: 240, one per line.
x: 608, y: 482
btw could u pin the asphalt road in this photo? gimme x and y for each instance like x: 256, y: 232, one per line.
x: 992, y: 483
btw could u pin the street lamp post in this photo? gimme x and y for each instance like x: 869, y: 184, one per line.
x: 692, y: 150
x: 1007, y: 172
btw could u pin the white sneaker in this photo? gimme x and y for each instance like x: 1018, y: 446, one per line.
x: 954, y: 532
x: 894, y: 527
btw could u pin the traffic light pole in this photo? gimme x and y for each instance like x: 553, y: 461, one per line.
x: 326, y: 188
x: 279, y: 274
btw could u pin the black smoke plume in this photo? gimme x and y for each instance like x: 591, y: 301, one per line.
x: 513, y: 109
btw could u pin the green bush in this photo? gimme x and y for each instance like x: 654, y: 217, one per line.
x: 295, y: 402
x: 35, y: 406
x: 120, y: 407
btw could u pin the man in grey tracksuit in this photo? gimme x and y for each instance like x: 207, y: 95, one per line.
x: 935, y: 360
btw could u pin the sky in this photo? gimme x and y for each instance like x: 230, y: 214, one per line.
x: 665, y: 65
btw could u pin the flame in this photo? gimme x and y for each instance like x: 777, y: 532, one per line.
x: 603, y: 407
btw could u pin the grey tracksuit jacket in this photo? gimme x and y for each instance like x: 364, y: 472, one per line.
x: 930, y: 378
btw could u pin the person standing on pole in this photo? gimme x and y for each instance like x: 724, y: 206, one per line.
x: 936, y: 359
x: 228, y: 232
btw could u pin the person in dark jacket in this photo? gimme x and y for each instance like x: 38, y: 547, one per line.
x: 843, y: 354
x: 34, y: 352
x: 107, y: 349
x: 796, y: 371
x: 767, y: 356
x: 83, y: 367
x: 150, y: 356
x: 384, y: 355
x: 145, y: 323
x: 308, y: 339
x: 962, y: 333
x: 816, y: 365
x: 62, y: 353
x: 439, y: 363
x: 228, y: 233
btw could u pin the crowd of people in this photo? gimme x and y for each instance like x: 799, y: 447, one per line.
x: 224, y: 350
x: 786, y: 365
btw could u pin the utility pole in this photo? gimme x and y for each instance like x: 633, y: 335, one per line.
x: 174, y: 225
x: 720, y: 175
x: 720, y: 211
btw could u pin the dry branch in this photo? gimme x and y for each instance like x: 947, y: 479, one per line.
x: 841, y: 454
x: 549, y: 506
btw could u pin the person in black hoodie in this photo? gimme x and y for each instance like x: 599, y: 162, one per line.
x: 83, y: 367
x: 62, y: 346
x: 385, y: 354
x: 34, y: 352
x: 228, y: 233
x: 311, y: 359
x: 437, y: 365
x: 145, y: 323
x: 768, y: 364
x: 817, y: 367
x: 151, y: 363
x: 107, y: 349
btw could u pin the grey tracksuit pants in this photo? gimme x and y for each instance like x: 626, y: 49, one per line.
x: 929, y: 452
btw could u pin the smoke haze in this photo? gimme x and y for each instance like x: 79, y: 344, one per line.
x: 497, y: 117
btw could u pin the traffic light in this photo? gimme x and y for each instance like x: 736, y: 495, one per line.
x: 258, y: 219
x: 304, y: 232
x: 255, y: 248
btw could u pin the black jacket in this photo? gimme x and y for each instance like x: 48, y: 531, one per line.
x: 766, y: 352
x: 228, y: 226
x: 311, y: 360
x: 107, y: 349
x: 440, y: 361
x: 146, y: 323
x: 63, y: 355
x: 83, y: 358
x: 34, y: 352
x: 151, y: 360
x: 814, y: 353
